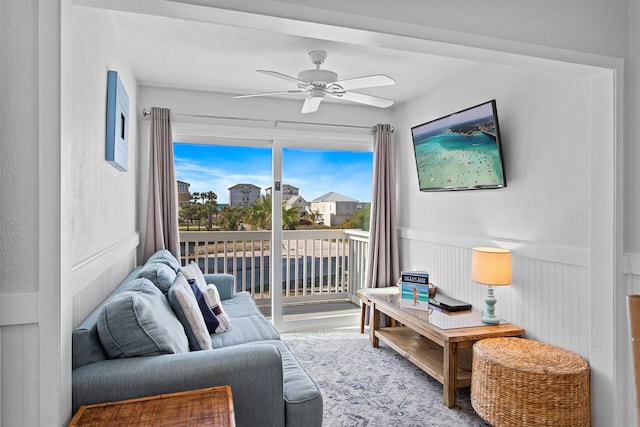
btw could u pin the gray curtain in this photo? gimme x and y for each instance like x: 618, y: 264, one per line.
x: 162, y: 206
x: 383, y: 265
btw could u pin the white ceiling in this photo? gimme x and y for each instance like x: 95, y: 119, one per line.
x: 187, y: 54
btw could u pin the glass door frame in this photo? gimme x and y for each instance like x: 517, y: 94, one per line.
x: 309, y: 136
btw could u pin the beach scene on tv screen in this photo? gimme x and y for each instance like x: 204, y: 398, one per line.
x: 459, y: 151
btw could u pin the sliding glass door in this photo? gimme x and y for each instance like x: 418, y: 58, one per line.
x: 275, y: 216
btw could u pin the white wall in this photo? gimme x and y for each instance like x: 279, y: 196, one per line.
x: 68, y: 217
x: 103, y: 234
x: 103, y: 203
x: 543, y: 121
x: 19, y: 217
x: 547, y: 215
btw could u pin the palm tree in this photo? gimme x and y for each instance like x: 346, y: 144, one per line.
x: 290, y: 217
x: 210, y: 207
x: 230, y: 217
x: 258, y: 215
x: 188, y: 212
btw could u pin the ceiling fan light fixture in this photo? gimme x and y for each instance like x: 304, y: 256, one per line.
x: 317, y: 92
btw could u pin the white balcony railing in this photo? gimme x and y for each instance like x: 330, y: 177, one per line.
x: 316, y: 264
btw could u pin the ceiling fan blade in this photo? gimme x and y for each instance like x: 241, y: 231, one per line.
x: 311, y: 104
x: 283, y: 77
x: 270, y: 93
x: 362, y: 82
x: 363, y: 99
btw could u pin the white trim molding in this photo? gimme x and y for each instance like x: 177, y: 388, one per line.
x: 91, y: 267
x: 19, y: 309
x: 559, y: 254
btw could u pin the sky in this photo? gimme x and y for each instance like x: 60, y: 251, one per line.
x: 315, y: 172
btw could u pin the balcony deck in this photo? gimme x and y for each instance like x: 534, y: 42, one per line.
x: 321, y: 269
x: 313, y: 309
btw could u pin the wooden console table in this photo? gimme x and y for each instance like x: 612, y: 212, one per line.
x: 437, y: 342
x: 208, y: 406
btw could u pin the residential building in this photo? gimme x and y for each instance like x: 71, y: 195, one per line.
x: 566, y: 76
x: 184, y: 196
x: 287, y: 191
x: 301, y: 203
x: 334, y: 208
x: 243, y: 194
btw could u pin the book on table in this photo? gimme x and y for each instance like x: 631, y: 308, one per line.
x: 415, y: 290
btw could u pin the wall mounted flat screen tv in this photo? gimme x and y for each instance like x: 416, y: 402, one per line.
x: 461, y: 151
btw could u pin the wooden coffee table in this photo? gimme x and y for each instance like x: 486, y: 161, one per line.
x: 208, y: 406
x: 438, y: 342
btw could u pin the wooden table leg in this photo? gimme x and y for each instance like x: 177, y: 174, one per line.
x: 374, y: 323
x: 450, y: 373
x: 363, y: 313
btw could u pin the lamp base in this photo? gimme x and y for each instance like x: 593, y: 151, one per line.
x: 490, y: 300
x: 493, y: 320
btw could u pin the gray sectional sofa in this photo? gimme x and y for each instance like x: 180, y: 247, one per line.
x: 134, y: 344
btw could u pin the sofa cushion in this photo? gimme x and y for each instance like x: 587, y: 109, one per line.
x: 242, y: 304
x: 161, y: 274
x: 87, y: 347
x: 186, y: 308
x: 246, y: 329
x: 139, y: 322
x: 166, y: 257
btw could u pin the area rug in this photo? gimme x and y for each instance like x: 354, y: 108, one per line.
x: 366, y: 386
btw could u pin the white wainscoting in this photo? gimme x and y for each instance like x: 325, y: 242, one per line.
x: 549, y: 295
x: 93, y: 279
x: 96, y: 276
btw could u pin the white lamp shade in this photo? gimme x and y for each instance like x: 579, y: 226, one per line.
x: 491, y: 266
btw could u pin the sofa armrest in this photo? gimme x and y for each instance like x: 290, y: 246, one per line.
x: 254, y: 372
x: 224, y: 282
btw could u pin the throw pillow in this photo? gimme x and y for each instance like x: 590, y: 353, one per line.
x: 166, y: 257
x: 160, y: 275
x: 139, y: 322
x: 186, y: 307
x: 192, y: 271
x: 216, y: 306
x: 210, y: 318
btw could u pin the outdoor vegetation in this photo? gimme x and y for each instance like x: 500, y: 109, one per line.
x: 203, y: 213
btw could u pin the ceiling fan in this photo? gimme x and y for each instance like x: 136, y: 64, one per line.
x: 318, y: 83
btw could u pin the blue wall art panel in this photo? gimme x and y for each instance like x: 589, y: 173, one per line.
x: 117, y: 146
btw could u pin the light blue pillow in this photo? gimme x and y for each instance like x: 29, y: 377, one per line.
x: 160, y: 274
x: 139, y: 321
x: 166, y: 257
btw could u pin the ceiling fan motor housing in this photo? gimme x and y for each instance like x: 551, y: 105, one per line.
x: 318, y: 77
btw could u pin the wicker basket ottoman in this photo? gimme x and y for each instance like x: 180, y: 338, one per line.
x: 521, y: 382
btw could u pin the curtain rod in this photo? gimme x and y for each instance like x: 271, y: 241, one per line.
x: 146, y: 113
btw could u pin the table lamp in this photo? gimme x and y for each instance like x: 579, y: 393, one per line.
x: 492, y: 267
